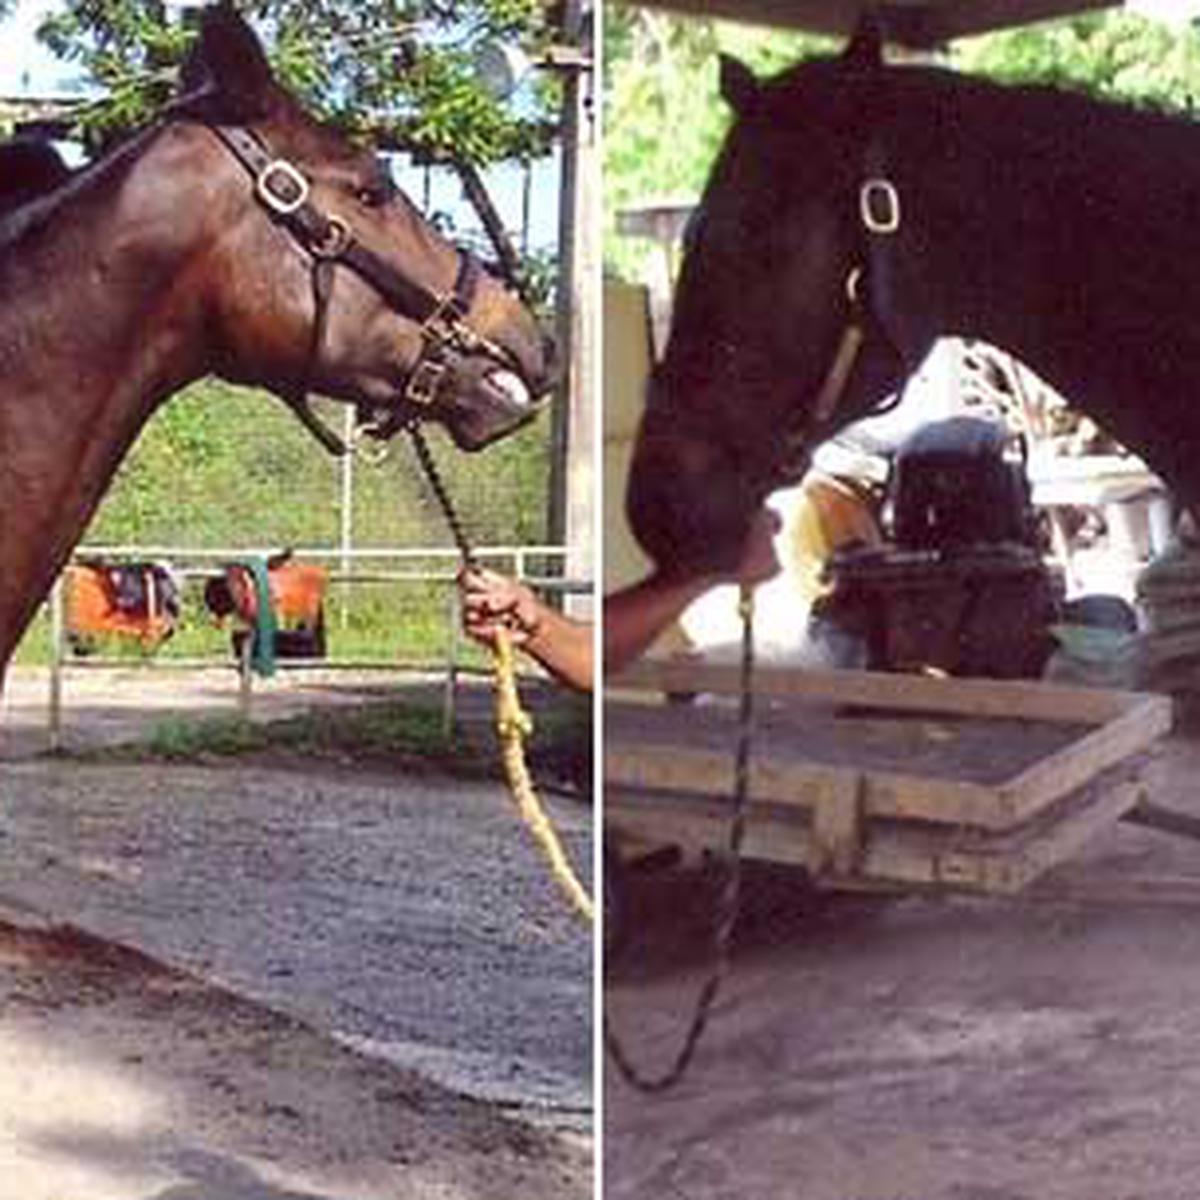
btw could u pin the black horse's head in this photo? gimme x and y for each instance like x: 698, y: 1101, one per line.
x: 396, y: 320
x: 762, y: 307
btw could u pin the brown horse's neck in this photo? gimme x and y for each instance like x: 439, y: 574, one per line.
x: 96, y: 329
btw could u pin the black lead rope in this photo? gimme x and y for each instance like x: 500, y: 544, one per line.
x: 729, y: 899
x: 441, y: 493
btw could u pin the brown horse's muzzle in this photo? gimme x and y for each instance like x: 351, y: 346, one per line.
x: 490, y: 399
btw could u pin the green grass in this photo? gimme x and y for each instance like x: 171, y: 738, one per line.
x: 372, y: 731
x: 410, y: 734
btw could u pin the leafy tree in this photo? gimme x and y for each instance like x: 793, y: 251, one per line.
x: 399, y: 71
x: 1115, y: 55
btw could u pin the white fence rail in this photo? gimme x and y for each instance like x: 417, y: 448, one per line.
x: 349, y: 568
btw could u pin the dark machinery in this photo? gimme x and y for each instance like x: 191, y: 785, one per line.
x: 960, y: 586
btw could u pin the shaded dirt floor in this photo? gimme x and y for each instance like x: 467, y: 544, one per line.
x: 123, y: 1080
x: 1041, y: 1048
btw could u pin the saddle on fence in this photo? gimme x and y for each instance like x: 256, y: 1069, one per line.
x: 297, y: 605
x: 137, y: 600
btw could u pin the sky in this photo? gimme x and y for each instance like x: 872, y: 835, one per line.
x: 25, y: 65
x: 28, y: 68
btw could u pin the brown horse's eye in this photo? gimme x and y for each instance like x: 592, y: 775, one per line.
x: 370, y: 197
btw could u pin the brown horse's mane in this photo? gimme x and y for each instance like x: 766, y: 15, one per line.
x: 31, y: 209
x: 35, y: 181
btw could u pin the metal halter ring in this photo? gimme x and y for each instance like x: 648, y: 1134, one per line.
x: 277, y: 202
x: 335, y: 240
x: 879, y: 206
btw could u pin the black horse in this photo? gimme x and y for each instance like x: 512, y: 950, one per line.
x: 858, y: 212
x: 239, y: 236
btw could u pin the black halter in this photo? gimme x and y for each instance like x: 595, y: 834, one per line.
x: 446, y: 336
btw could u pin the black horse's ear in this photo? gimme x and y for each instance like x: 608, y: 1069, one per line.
x: 739, y: 86
x: 230, y: 58
x: 865, y: 50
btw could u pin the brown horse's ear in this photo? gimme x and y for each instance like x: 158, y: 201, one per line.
x: 739, y: 87
x: 865, y: 51
x: 230, y: 59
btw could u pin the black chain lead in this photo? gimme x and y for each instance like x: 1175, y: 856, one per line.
x: 729, y: 900
x: 442, y: 494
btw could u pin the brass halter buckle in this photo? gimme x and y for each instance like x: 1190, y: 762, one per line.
x: 447, y: 326
x: 295, y: 189
x: 425, y: 382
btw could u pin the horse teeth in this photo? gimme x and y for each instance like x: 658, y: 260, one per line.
x: 512, y: 385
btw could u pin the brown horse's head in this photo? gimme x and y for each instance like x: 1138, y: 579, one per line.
x: 759, y: 308
x: 401, y: 328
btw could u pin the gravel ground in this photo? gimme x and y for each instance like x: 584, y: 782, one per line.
x: 406, y: 915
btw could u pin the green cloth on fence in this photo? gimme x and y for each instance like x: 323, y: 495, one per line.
x: 262, y: 636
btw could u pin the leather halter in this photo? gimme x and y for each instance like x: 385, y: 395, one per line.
x: 446, y: 335
x: 879, y: 218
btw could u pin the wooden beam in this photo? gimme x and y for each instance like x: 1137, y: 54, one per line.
x: 962, y: 18
x: 919, y: 26
x: 890, y: 853
x: 1075, y: 764
x: 804, y: 785
x: 1023, y: 699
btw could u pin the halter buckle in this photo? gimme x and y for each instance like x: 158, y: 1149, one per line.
x: 424, y: 382
x: 879, y: 206
x: 446, y: 325
x: 296, y: 189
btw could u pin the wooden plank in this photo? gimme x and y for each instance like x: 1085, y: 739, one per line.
x: 1034, y: 701
x: 801, y: 784
x: 1073, y: 765
x: 891, y: 852
x: 838, y: 827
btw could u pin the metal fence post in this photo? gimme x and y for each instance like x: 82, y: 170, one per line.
x: 57, y: 632
x: 245, y: 675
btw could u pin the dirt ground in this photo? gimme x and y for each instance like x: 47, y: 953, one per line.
x: 1040, y: 1048
x: 278, y: 981
x: 126, y: 1081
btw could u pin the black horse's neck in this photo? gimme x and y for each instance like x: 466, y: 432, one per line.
x: 1065, y: 231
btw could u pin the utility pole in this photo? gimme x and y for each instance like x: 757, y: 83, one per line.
x: 572, y: 470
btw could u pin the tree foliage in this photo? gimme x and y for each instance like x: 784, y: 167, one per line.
x: 1116, y: 55
x: 663, y: 116
x: 664, y: 119
x: 402, y: 72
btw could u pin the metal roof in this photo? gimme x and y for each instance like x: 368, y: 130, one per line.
x: 919, y: 24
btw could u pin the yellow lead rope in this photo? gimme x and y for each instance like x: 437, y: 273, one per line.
x: 513, y: 726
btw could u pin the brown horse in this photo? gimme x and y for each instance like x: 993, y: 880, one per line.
x: 235, y: 236
x: 857, y: 212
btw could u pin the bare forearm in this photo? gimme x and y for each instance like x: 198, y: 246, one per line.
x: 564, y: 647
x: 635, y: 616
